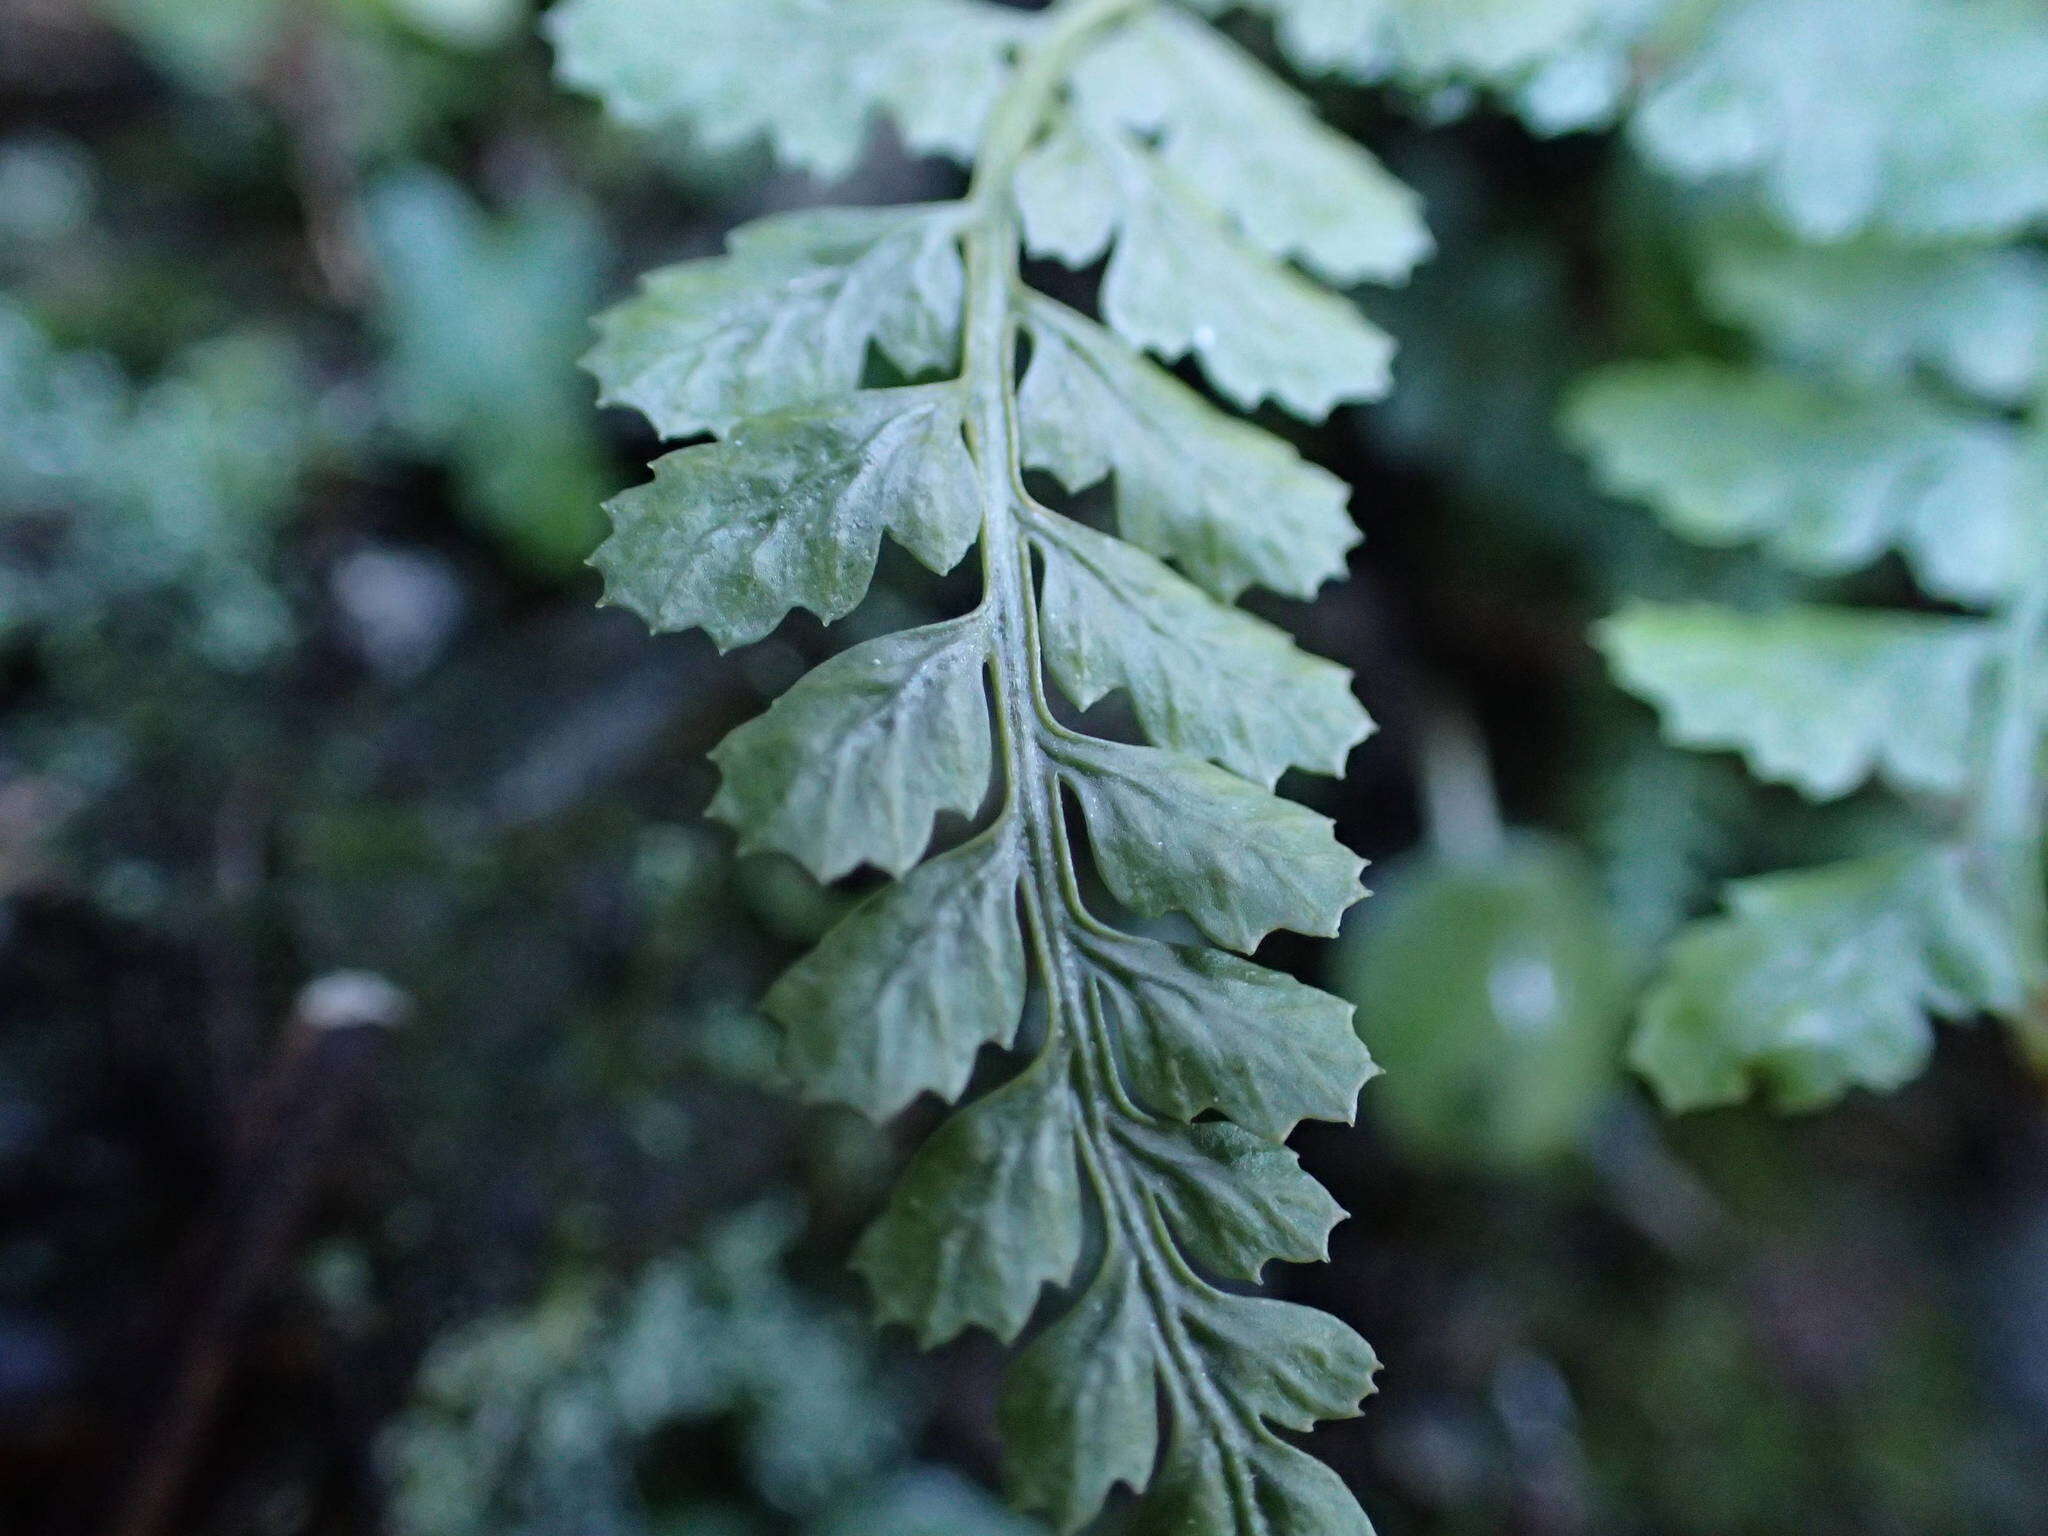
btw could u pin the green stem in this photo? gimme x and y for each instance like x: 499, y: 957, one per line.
x: 2008, y: 811
x: 1051, y: 895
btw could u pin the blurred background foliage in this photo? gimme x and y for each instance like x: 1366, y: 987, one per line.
x: 301, y: 674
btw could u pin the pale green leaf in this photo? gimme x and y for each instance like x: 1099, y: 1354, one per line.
x: 1180, y: 281
x: 1079, y: 1409
x: 1296, y: 188
x: 1198, y: 1030
x: 1822, y: 980
x: 1066, y: 197
x: 1234, y: 1201
x: 903, y: 992
x: 1428, y: 39
x: 787, y: 317
x: 1231, y: 505
x: 854, y: 762
x: 988, y: 1214
x: 789, y: 512
x: 1826, y: 480
x: 1204, y: 678
x: 1851, y: 114
x: 808, y: 74
x: 1172, y: 833
x: 1875, y: 311
x: 1820, y: 698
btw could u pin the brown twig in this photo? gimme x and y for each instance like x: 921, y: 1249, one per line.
x: 294, y: 1118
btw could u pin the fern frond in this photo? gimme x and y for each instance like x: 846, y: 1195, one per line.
x: 1831, y: 451
x: 1113, y: 130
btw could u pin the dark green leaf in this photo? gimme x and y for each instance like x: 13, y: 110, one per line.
x: 1198, y: 1030
x: 853, y: 763
x: 1231, y: 505
x: 1172, y: 833
x: 1205, y: 678
x: 789, y: 512
x: 908, y: 987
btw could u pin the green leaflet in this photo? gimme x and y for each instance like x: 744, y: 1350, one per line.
x: 1172, y: 833
x: 1291, y: 1494
x: 1080, y: 1408
x: 1232, y: 506
x: 1087, y: 1170
x: 1296, y: 188
x: 1236, y: 1201
x: 1199, y: 1030
x: 900, y: 996
x: 1820, y: 698
x: 1204, y: 677
x: 786, y: 318
x: 1180, y: 281
x: 789, y: 512
x: 1826, y: 479
x: 1272, y: 1361
x: 809, y: 74
x: 903, y: 724
x: 1280, y: 1363
x: 1821, y: 980
x: 1898, y: 149
x: 989, y: 1212
x: 1874, y: 311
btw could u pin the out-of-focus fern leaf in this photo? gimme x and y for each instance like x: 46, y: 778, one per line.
x: 1098, y: 127
x: 1429, y: 38
x: 1827, y: 479
x: 529, y: 1422
x: 1820, y: 698
x: 481, y: 314
x: 1855, y: 251
x: 1874, y: 311
x: 1846, y: 113
x: 1822, y: 980
x: 172, y: 491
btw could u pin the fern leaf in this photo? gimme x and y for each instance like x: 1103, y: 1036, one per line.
x: 1205, y: 678
x: 1819, y: 698
x: 1826, y: 479
x: 1232, y: 506
x: 1871, y: 311
x: 1293, y: 187
x: 1899, y: 149
x: 1097, y: 127
x: 1822, y: 980
x: 786, y: 318
x: 809, y: 75
x: 1485, y: 39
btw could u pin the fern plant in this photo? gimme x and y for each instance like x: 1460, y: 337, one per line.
x: 863, y: 371
x: 1882, y: 411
